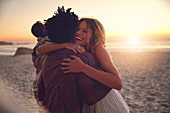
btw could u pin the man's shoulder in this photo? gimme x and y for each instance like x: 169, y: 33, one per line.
x: 67, y: 52
x: 87, y: 58
x: 61, y: 53
x: 44, y: 40
x: 64, y: 51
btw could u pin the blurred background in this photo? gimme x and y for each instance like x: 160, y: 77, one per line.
x: 140, y: 24
x: 137, y: 37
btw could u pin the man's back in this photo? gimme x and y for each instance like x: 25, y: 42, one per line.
x: 64, y: 92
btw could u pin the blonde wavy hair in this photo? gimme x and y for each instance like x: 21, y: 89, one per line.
x: 96, y: 33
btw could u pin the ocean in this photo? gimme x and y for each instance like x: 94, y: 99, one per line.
x: 161, y: 45
x: 11, y: 49
x: 111, y: 45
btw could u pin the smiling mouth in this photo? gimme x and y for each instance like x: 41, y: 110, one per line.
x: 78, y: 38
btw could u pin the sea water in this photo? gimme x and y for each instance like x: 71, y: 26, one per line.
x: 111, y: 45
x: 11, y: 49
x: 161, y: 45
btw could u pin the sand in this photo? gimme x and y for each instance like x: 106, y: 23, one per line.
x: 145, y: 78
x: 16, y: 77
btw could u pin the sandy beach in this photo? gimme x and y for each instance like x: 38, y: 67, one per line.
x: 145, y: 78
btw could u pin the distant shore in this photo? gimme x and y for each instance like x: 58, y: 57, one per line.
x: 5, y: 43
x: 145, y: 78
x: 10, y: 48
x: 12, y: 43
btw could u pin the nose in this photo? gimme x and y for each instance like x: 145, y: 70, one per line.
x: 78, y: 32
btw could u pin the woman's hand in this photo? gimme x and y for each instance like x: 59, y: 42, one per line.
x: 76, y: 48
x: 75, y: 65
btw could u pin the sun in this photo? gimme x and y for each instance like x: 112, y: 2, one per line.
x: 134, y: 42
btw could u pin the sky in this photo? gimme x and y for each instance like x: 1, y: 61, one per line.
x: 121, y: 18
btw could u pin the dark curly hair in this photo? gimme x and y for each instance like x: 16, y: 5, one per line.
x: 62, y: 26
x: 37, y: 30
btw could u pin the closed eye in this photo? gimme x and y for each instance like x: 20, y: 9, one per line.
x: 85, y: 31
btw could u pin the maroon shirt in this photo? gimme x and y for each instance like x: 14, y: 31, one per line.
x: 64, y: 93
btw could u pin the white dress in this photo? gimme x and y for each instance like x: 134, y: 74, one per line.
x: 111, y: 103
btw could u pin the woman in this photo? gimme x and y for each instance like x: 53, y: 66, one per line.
x: 90, y: 34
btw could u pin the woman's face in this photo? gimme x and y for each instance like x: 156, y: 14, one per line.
x: 81, y: 34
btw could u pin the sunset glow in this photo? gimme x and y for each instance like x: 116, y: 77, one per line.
x: 123, y: 19
x: 134, y: 41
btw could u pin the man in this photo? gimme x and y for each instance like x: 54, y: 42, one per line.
x: 65, y: 93
x: 40, y: 32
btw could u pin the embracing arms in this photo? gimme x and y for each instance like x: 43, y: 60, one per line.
x: 110, y: 76
x: 45, y: 49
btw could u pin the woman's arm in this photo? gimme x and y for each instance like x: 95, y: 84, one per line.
x: 110, y: 77
x: 45, y: 49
